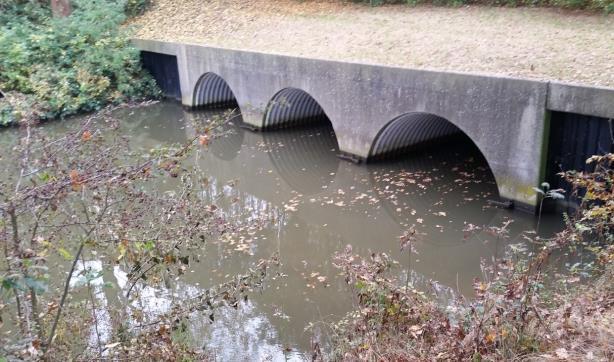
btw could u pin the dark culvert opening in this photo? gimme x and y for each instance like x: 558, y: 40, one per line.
x: 308, y: 160
x: 163, y: 68
x: 573, y: 138
x: 292, y: 107
x: 424, y: 142
x: 413, y: 132
x: 212, y: 92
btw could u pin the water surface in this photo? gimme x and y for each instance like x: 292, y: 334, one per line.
x: 298, y: 199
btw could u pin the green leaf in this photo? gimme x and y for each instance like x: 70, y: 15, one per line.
x: 44, y: 176
x: 360, y: 285
x: 93, y: 275
x: 8, y: 284
x: 65, y: 253
x: 582, y: 228
x: 39, y: 286
x: 149, y: 246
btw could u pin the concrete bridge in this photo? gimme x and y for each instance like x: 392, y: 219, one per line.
x: 377, y: 111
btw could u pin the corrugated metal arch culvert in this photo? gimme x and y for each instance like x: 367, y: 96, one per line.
x: 211, y: 90
x: 407, y: 131
x: 292, y: 107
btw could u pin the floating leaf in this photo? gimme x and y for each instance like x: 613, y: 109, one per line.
x: 86, y: 136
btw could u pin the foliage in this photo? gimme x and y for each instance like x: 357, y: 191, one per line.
x: 606, y: 6
x: 32, y: 11
x: 85, y: 194
x: 523, y: 308
x: 136, y: 7
x: 596, y: 190
x: 67, y: 65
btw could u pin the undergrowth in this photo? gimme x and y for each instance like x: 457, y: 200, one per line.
x: 524, y: 308
x: 55, y: 67
x: 606, y: 6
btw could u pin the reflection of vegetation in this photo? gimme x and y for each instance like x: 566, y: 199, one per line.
x: 84, y: 198
x: 513, y: 315
x: 53, y: 67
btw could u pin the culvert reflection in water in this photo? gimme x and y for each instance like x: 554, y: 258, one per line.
x: 295, y: 197
x: 302, y: 159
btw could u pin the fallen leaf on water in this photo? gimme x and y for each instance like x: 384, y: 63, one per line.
x: 86, y: 136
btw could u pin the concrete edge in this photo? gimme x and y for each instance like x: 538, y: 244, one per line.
x: 581, y: 99
x: 564, y: 97
x: 172, y: 48
x: 156, y: 46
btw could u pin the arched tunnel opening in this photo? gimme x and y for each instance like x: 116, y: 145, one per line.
x: 417, y: 138
x: 212, y: 91
x: 292, y: 107
x: 412, y: 132
x: 307, y: 161
x: 457, y: 181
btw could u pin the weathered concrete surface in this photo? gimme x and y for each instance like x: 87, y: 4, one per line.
x: 505, y: 117
x: 589, y: 101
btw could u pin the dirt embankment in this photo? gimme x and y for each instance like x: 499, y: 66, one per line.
x: 523, y: 42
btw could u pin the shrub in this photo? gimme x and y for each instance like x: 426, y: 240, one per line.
x: 136, y: 7
x: 68, y: 65
x: 606, y: 6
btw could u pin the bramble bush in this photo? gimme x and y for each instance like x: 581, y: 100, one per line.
x: 86, y: 195
x: 54, y: 67
x: 524, y: 308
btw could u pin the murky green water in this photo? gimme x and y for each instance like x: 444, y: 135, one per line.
x: 309, y: 204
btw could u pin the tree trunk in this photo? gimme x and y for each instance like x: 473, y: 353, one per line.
x: 61, y: 8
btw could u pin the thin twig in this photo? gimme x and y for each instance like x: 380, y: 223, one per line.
x: 63, y: 299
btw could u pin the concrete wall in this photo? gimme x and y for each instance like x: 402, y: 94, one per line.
x: 505, y: 117
x: 588, y: 101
